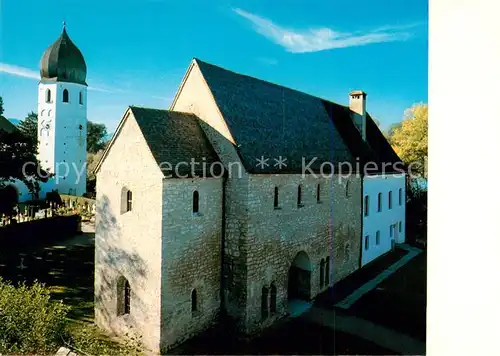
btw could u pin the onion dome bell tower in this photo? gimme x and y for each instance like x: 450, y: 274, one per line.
x: 62, y: 115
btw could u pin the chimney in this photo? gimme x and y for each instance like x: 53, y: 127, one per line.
x: 357, y: 104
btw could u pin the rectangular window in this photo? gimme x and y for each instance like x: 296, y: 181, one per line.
x: 400, y: 196
x: 367, y: 201
x: 379, y: 206
x: 377, y: 238
x: 367, y: 242
x: 400, y: 226
x: 390, y: 199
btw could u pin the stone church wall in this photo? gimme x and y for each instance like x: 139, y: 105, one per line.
x: 129, y: 245
x: 276, y: 236
x: 191, y: 258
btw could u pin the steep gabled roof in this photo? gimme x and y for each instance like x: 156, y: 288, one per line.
x: 268, y: 120
x: 172, y: 137
x: 175, y: 137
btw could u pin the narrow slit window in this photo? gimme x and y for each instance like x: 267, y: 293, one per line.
x: 299, y: 196
x: 379, y: 203
x: 322, y: 273
x: 196, y: 202
x: 80, y: 99
x: 48, y: 96
x: 400, y: 196
x: 273, y: 308
x: 390, y: 199
x: 129, y: 200
x: 264, y: 303
x: 126, y: 290
x: 327, y: 271
x: 276, y: 198
x: 367, y: 201
x: 377, y: 238
x: 318, y: 193
x: 400, y: 226
x: 194, y: 301
x: 367, y: 242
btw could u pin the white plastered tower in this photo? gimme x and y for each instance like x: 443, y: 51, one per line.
x: 62, y: 115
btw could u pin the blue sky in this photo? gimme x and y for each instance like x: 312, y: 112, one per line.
x: 137, y: 51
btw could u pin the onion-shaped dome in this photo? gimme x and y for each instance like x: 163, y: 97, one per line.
x: 63, y: 62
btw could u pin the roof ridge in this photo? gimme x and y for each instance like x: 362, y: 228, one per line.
x: 264, y: 81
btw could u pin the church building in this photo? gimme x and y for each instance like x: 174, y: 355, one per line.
x: 244, y: 200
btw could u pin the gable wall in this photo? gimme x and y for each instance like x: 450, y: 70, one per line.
x: 195, y: 97
x: 129, y: 244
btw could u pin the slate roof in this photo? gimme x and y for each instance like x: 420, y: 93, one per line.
x: 63, y: 61
x: 270, y: 120
x: 175, y: 137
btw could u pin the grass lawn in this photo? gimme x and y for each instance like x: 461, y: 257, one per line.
x: 67, y: 269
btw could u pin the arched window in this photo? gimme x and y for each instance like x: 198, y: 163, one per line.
x: 194, y: 301
x: 126, y: 200
x: 123, y: 294
x: 264, y: 302
x: 273, y: 298
x: 327, y: 271
x: 322, y: 273
x: 318, y: 193
x: 65, y: 96
x: 299, y: 196
x: 80, y: 98
x: 276, y: 198
x: 48, y: 96
x: 196, y: 202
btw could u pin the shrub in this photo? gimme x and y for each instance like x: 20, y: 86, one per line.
x: 30, y: 322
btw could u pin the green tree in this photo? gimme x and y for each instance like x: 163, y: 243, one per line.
x: 410, y: 139
x: 92, y: 161
x: 29, y: 126
x: 96, y: 135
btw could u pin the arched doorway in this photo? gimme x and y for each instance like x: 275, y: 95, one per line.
x: 299, y: 277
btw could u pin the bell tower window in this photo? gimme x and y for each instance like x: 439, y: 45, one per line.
x: 48, y: 96
x: 65, y: 96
